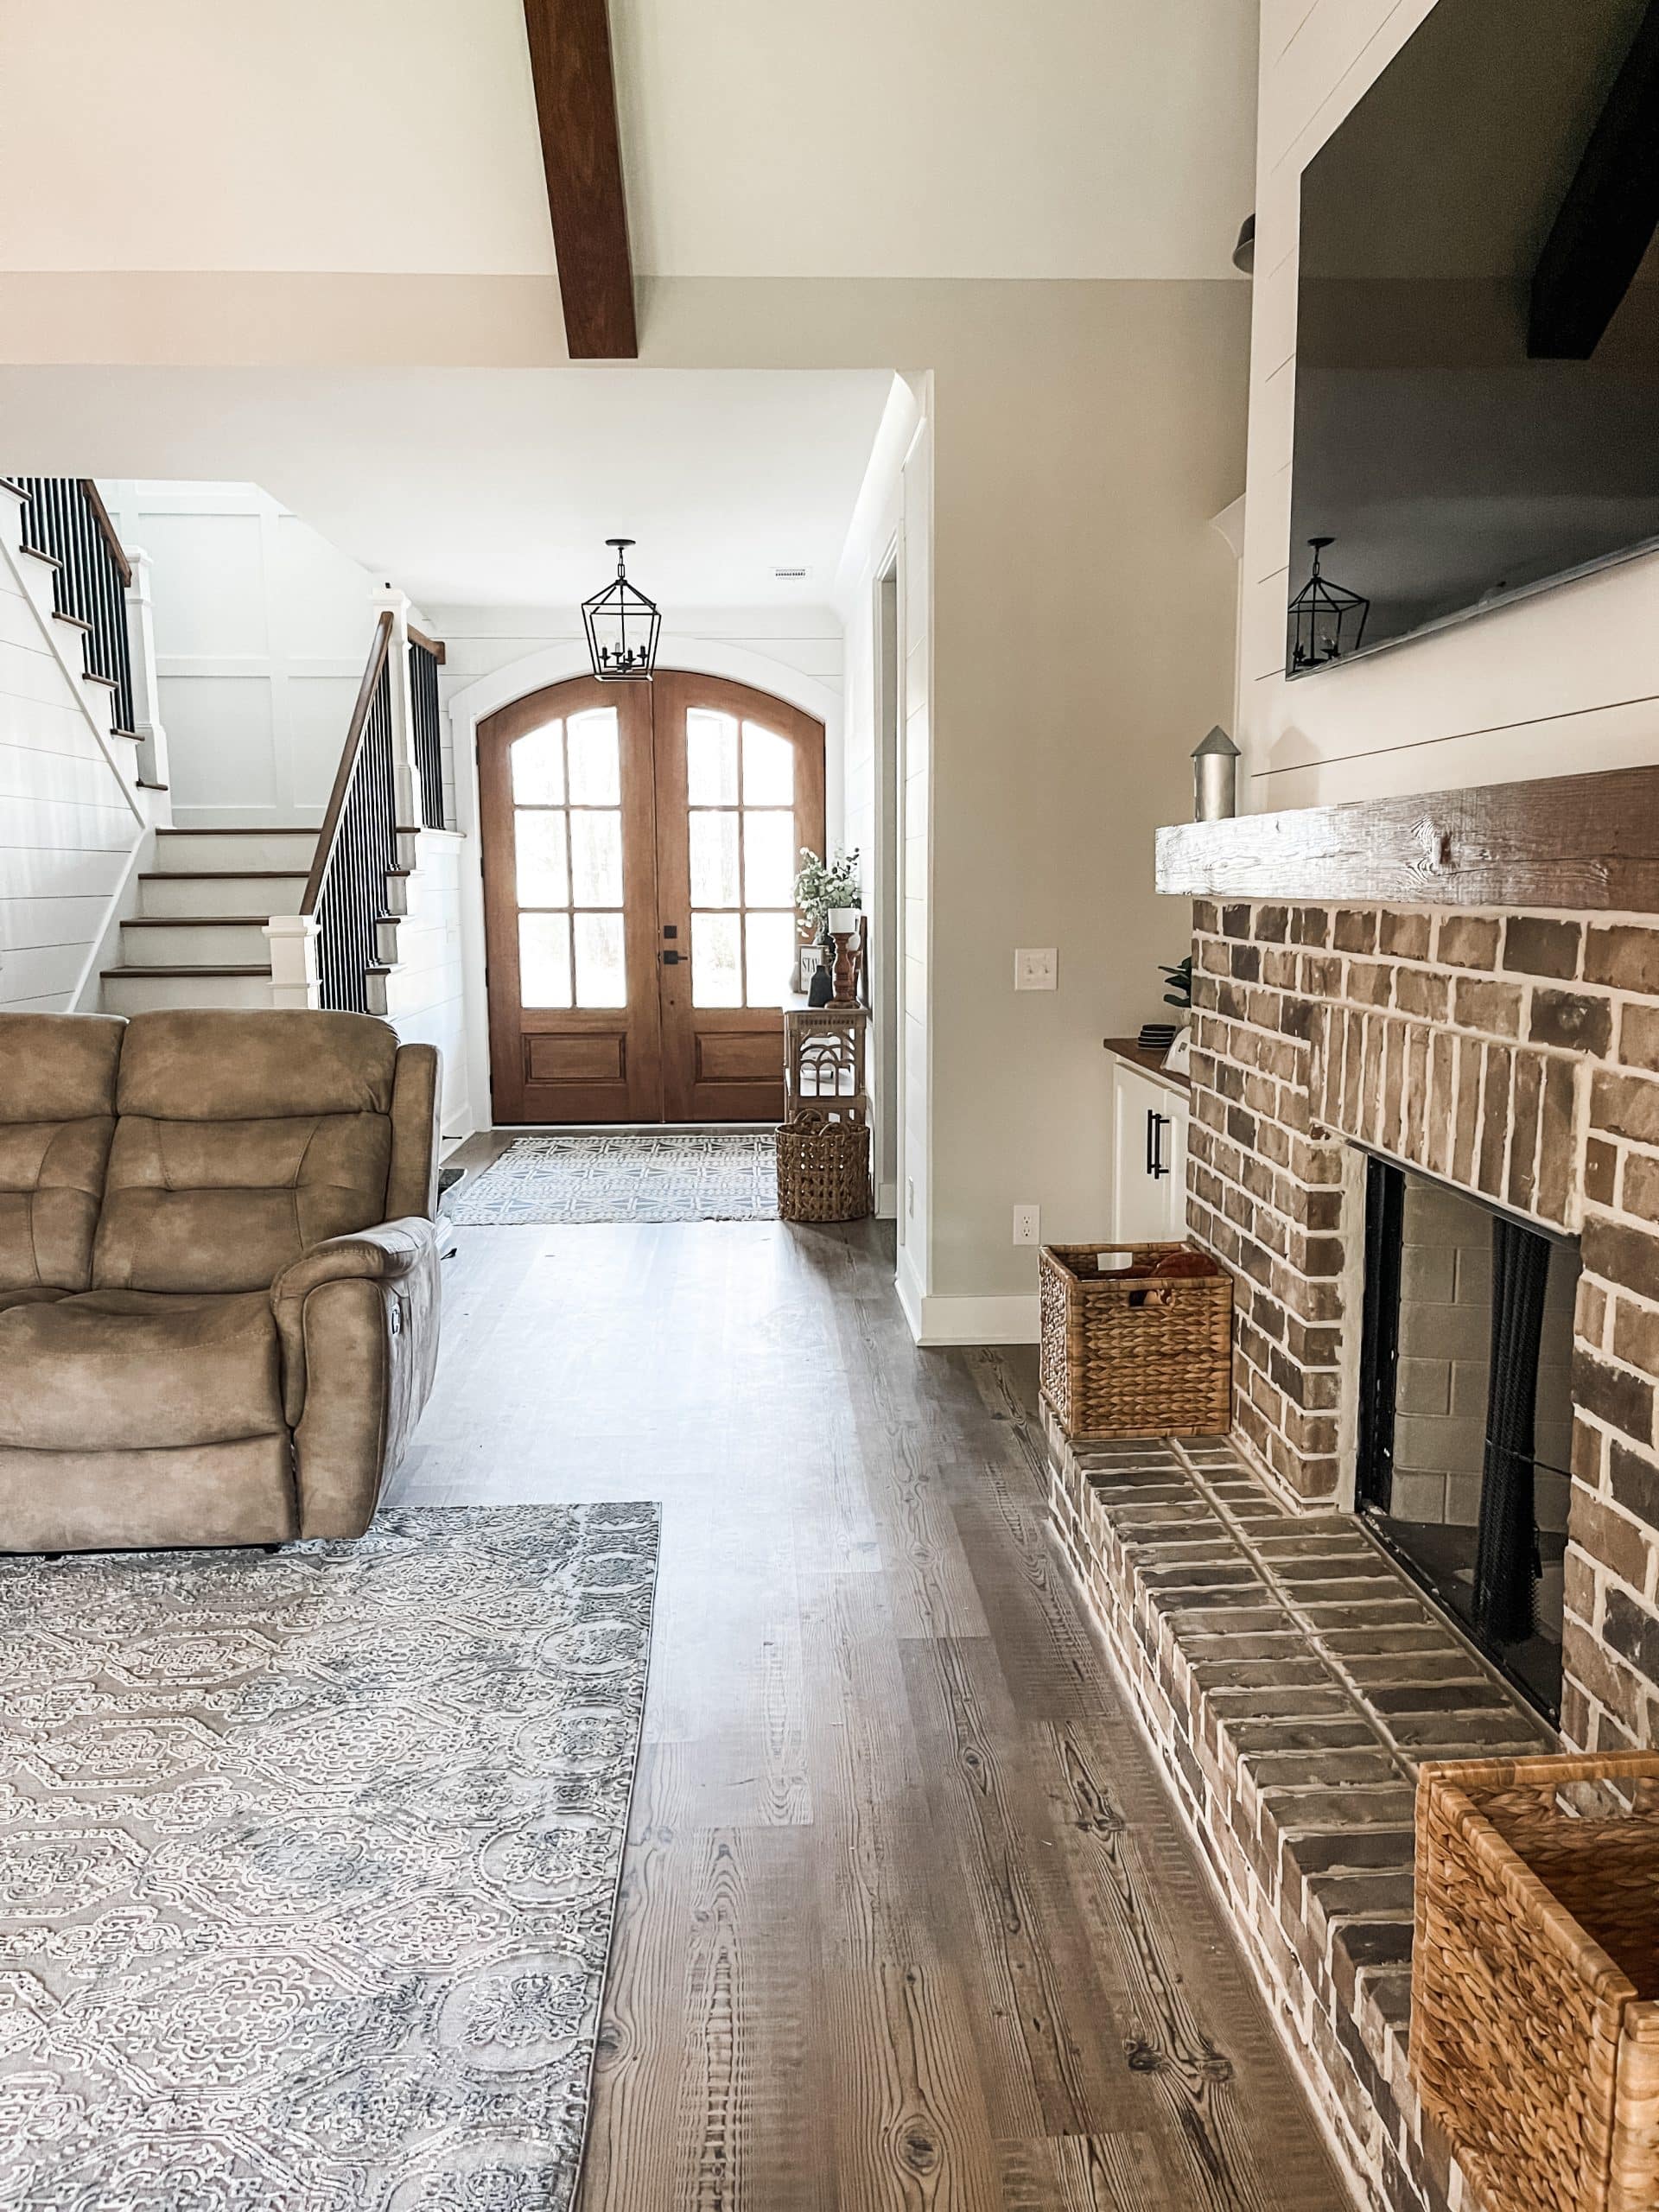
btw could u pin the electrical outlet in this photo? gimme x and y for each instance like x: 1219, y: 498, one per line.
x: 1036, y: 969
x: 1027, y: 1224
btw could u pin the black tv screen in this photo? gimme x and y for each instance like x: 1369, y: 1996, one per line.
x: 1478, y: 320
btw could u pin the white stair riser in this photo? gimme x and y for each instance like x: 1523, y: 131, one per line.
x: 221, y: 850
x: 144, y: 993
x: 224, y: 894
x: 182, y: 946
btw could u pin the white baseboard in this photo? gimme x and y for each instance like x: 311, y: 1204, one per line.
x: 940, y: 1321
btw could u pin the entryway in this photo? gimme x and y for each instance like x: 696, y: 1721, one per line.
x: 640, y: 843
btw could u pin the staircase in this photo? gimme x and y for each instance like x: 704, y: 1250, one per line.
x: 198, y: 938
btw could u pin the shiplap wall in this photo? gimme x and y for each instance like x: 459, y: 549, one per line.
x: 67, y: 831
x: 1569, y: 681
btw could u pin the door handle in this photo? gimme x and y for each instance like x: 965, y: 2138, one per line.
x: 1156, y: 1124
x: 669, y: 959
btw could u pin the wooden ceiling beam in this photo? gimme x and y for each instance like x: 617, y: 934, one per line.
x: 576, y: 105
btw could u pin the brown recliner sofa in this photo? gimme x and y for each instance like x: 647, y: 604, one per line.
x: 219, y: 1275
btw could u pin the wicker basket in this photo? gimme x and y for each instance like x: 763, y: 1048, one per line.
x: 1149, y: 1355
x: 1534, y: 2035
x: 824, y: 1169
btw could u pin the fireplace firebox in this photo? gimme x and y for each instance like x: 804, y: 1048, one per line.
x: 1465, y: 1412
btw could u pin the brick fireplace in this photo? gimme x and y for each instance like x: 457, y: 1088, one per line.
x: 1482, y: 1042
x: 1513, y: 1056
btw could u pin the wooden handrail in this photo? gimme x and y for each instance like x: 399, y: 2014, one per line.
x: 106, y: 529
x: 434, y: 645
x: 330, y: 830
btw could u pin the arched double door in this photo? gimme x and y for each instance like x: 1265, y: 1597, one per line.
x: 640, y: 845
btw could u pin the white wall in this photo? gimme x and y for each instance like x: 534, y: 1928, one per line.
x: 1567, y: 682
x: 68, y: 827
x: 261, y: 630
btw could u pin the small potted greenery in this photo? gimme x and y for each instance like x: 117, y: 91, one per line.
x: 1180, y: 995
x: 828, y: 894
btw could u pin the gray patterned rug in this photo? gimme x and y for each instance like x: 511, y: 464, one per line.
x: 571, y: 1179
x: 308, y: 1864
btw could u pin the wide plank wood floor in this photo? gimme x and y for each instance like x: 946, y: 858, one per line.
x: 907, y: 1921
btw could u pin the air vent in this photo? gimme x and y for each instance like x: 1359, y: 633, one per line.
x: 790, y: 575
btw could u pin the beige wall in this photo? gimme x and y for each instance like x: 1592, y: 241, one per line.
x: 1567, y: 682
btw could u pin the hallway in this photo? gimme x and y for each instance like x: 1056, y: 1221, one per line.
x: 906, y: 1918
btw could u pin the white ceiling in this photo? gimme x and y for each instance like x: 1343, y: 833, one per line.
x: 498, y: 486
x: 761, y: 137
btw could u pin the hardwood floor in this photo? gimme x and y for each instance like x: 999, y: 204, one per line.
x: 907, y: 1922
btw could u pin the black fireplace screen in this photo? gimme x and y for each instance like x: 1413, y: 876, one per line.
x: 1465, y: 1412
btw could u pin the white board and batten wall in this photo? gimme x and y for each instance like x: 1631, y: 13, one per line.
x: 1564, y: 683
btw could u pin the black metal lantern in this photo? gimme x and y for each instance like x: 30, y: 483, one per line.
x: 622, y: 626
x: 1326, y: 621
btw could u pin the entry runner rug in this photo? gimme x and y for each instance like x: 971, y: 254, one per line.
x: 309, y: 1863
x: 571, y: 1179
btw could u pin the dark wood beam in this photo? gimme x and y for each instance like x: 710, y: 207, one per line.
x: 575, y: 105
x: 1607, y: 220
x: 1585, y: 844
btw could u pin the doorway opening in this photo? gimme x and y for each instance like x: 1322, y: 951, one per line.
x: 640, y: 843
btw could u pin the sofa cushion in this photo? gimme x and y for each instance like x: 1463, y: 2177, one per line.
x: 114, y: 1370
x: 57, y: 1106
x: 243, y: 1140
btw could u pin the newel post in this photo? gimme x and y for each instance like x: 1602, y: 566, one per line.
x: 294, y: 981
x: 146, y: 693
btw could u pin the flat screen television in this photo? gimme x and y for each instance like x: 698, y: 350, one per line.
x: 1478, y: 318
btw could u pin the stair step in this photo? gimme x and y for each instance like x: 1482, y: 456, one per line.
x: 144, y: 989
x: 185, y: 893
x: 71, y: 621
x: 234, y: 852
x: 218, y: 942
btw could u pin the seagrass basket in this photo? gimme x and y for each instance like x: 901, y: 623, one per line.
x: 1535, y: 2029
x: 824, y: 1169
x: 1142, y: 1356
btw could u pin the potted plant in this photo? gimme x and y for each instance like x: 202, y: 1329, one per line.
x: 1180, y: 995
x: 828, y: 895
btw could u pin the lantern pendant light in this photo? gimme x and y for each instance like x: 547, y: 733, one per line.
x: 1326, y: 621
x: 622, y: 626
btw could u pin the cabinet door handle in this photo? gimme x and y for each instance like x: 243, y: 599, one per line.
x: 1156, y: 1124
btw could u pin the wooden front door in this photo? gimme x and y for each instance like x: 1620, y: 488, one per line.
x: 640, y: 842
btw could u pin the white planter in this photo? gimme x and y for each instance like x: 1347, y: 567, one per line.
x: 845, y: 918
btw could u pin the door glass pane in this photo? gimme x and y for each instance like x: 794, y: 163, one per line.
x: 537, y: 760
x: 543, y: 960
x: 716, y: 973
x: 538, y: 839
x: 770, y: 943
x: 595, y: 857
x: 601, y: 976
x: 768, y: 767
x: 711, y: 757
x: 596, y: 759
x: 714, y: 860
x: 769, y: 859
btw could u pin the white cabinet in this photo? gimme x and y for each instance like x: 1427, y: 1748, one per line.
x: 1149, y: 1156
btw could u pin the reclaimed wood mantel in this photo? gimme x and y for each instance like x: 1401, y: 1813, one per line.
x: 1579, y: 844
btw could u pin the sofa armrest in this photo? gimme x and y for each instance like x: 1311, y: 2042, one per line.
x: 386, y: 1254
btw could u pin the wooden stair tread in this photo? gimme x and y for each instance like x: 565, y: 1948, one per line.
x: 91, y: 676
x: 218, y: 875
x: 195, y: 921
x: 50, y: 560
x: 71, y: 621
x: 271, y: 829
x: 184, y: 968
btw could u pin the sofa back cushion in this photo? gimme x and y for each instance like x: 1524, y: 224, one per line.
x: 57, y: 1112
x: 242, y: 1140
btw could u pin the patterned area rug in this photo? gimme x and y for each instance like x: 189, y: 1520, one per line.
x: 308, y: 1864
x: 662, y: 1175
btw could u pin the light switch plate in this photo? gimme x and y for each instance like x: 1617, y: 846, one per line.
x: 1036, y: 969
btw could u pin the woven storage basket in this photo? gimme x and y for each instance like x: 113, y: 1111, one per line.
x: 1534, y: 2035
x: 824, y: 1169
x: 1151, y: 1356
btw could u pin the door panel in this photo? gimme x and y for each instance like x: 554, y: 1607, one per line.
x: 566, y: 798
x: 640, y: 846
x: 739, y: 790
